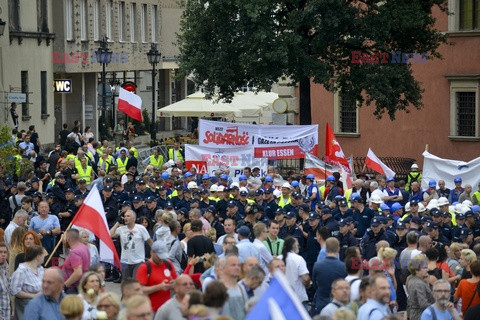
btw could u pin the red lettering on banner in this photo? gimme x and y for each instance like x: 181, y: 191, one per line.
x: 224, y: 161
x: 230, y: 137
x: 215, y: 161
x: 234, y: 160
x: 200, y: 166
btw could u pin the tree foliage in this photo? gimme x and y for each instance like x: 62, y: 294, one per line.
x: 9, y: 165
x: 225, y: 44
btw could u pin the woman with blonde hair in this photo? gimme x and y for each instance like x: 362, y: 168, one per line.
x: 344, y: 314
x: 467, y: 257
x: 211, y: 233
x: 161, y: 228
x: 187, y: 230
x: 110, y: 303
x: 16, y: 247
x: 71, y: 307
x: 89, y: 289
x: 388, y: 255
x: 30, y: 238
x: 419, y: 292
x: 454, y: 252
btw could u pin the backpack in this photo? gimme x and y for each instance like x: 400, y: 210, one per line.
x: 149, y: 267
x: 184, y: 259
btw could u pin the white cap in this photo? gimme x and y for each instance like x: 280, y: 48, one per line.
x: 442, y: 201
x: 277, y: 193
x: 235, y: 184
x: 407, y: 207
x: 458, y: 208
x: 170, y: 163
x: 214, y: 188
x: 220, y: 188
x: 376, y: 199
x: 287, y: 185
x: 243, y: 189
x: 414, y: 166
x: 192, y: 185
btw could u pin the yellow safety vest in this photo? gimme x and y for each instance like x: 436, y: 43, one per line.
x: 122, y: 165
x: 135, y: 152
x: 84, y: 174
x: 70, y: 156
x: 322, y: 191
x: 282, y: 203
x: 173, y: 194
x: 476, y: 194
x: 156, y: 162
x: 18, y: 162
x: 107, y: 164
x: 348, y: 193
x: 179, y: 154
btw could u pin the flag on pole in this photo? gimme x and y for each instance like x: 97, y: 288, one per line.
x: 333, y: 151
x: 320, y: 170
x: 278, y: 302
x: 130, y: 104
x: 91, y: 216
x: 374, y: 163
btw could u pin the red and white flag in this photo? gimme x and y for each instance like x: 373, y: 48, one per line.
x: 322, y: 170
x: 374, y: 163
x: 91, y: 216
x: 131, y: 104
x: 333, y: 151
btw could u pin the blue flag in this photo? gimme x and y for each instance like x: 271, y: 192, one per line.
x: 279, y: 302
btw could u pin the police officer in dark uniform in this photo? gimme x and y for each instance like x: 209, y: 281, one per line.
x: 328, y: 221
x: 312, y: 246
x: 342, y: 211
x: 162, y: 198
x: 471, y: 223
x: 59, y: 188
x: 293, y: 230
x: 401, y: 237
x: 179, y: 200
x: 434, y: 233
x: 141, y: 191
x: 210, y: 213
x: 362, y: 214
x: 232, y: 211
x: 271, y: 206
x: 119, y: 193
x: 65, y: 216
x: 242, y: 202
x: 345, y: 237
x: 110, y: 206
x: 447, y: 228
x: 222, y: 205
x: 55, y: 206
x: 280, y: 218
x: 460, y: 218
x: 259, y: 198
x: 205, y: 202
x: 151, y: 205
x: 373, y: 235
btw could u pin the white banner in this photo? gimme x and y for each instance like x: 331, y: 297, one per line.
x: 208, y: 160
x: 269, y: 141
x: 446, y: 169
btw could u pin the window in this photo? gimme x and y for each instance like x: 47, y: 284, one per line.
x: 143, y: 23
x: 42, y: 16
x: 96, y: 19
x: 133, y: 21
x: 108, y: 19
x: 24, y: 80
x: 121, y: 20
x: 83, y: 20
x: 469, y: 14
x: 14, y: 15
x: 43, y: 88
x: 345, y: 114
x: 463, y: 108
x: 154, y: 23
x: 465, y: 15
x: 68, y: 20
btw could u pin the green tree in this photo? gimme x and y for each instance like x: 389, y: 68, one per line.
x: 226, y: 44
x: 10, y: 165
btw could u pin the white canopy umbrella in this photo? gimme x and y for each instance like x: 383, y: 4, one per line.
x: 195, y: 105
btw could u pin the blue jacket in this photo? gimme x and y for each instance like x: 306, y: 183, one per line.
x: 323, y: 275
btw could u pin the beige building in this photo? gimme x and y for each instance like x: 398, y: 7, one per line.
x: 131, y: 27
x: 26, y: 71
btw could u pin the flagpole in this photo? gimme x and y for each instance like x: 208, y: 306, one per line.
x: 58, y: 244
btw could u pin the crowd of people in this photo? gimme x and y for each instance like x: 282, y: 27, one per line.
x: 201, y: 246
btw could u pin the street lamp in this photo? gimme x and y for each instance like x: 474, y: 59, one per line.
x: 103, y: 57
x: 153, y: 58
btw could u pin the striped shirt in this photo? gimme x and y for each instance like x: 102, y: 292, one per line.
x: 4, y: 295
x: 24, y: 279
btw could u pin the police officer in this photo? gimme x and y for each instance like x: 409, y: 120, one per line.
x: 342, y: 211
x: 362, y: 214
x: 119, y: 193
x: 293, y: 230
x: 328, y: 220
x: 110, y: 206
x: 66, y: 217
x: 271, y: 205
x: 312, y: 245
x: 372, y: 236
x: 313, y: 193
x: 435, y: 234
x: 179, y: 199
x: 345, y: 237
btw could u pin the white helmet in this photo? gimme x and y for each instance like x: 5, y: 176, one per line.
x: 234, y: 184
x: 467, y: 203
x: 414, y: 166
x: 220, y: 188
x: 243, y: 189
x: 277, y: 193
x: 458, y: 208
x: 192, y: 185
x: 170, y: 163
x: 421, y: 207
x: 376, y: 199
x: 442, y: 201
x: 214, y: 188
x: 432, y: 204
x: 407, y: 207
x: 287, y: 185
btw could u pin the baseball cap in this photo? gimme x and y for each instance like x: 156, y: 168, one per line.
x: 343, y: 222
x: 395, y: 206
x: 400, y: 225
x: 416, y: 220
x: 69, y: 190
x: 343, y: 203
x: 60, y: 176
x: 107, y: 188
x: 434, y: 212
x: 294, y: 183
x: 280, y: 211
x: 432, y: 183
x: 49, y: 195
x: 126, y: 203
x: 186, y: 175
x: 431, y: 225
x: 259, y: 192
x: 206, y: 176
x: 243, y: 191
x: 35, y: 179
x: 384, y: 207
x: 244, y: 231
x: 290, y: 215
x: 268, y: 179
x: 356, y: 198
x: 141, y: 181
x: 211, y: 209
x: 108, y: 179
x: 390, y: 179
x: 183, y: 211
x: 465, y: 232
x: 446, y: 214
x: 457, y: 180
x: 168, y: 204
x: 37, y: 194
x: 204, y: 191
x: 326, y: 210
x: 469, y: 214
x: 78, y: 197
x: 232, y: 203
x: 160, y: 249
x: 137, y: 199
x: 116, y: 184
x: 375, y: 222
x: 166, y: 175
x: 223, y: 176
x: 413, y: 202
x: 297, y: 195
x: 304, y: 207
x: 242, y: 177
x: 150, y: 199
x: 313, y: 216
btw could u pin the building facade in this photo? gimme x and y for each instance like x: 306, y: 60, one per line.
x: 26, y: 73
x: 449, y: 121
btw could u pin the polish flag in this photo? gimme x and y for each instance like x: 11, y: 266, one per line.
x: 333, y: 151
x: 91, y: 216
x: 377, y: 165
x: 131, y: 104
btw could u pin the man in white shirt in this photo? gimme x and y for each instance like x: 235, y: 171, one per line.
x: 132, y: 239
x: 18, y: 221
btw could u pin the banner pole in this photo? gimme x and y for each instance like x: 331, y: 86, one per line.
x: 58, y: 244
x: 426, y: 147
